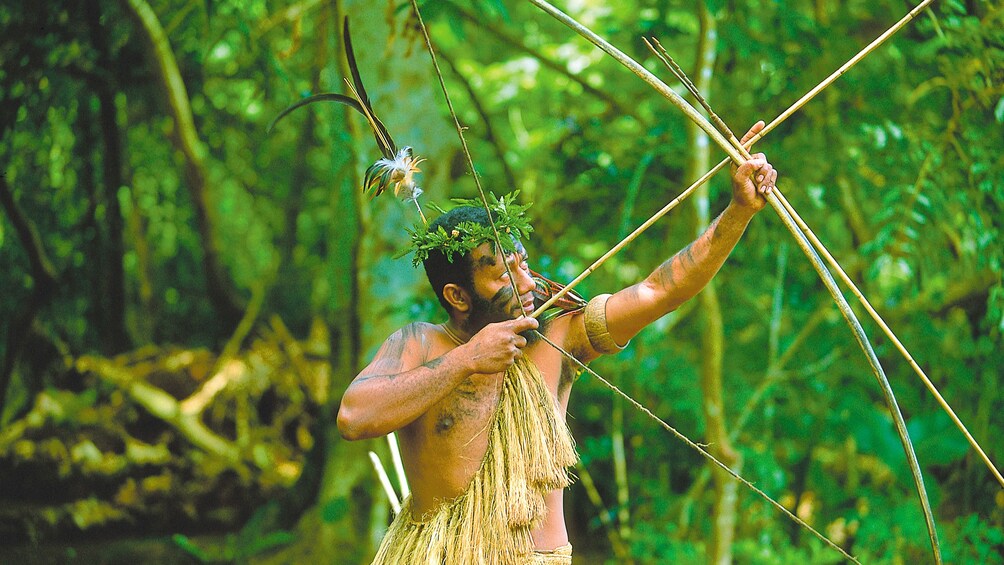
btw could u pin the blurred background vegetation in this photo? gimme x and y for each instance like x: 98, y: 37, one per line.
x: 185, y: 297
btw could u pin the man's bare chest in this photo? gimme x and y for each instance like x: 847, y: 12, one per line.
x: 467, y: 410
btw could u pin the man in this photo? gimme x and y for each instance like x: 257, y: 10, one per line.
x: 485, y: 460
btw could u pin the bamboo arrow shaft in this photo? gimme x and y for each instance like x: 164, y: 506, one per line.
x: 800, y: 238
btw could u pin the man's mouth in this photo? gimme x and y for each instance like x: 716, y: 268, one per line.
x: 528, y: 306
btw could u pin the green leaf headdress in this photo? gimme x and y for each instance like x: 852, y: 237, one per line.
x: 510, y: 219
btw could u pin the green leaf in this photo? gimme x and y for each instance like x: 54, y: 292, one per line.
x: 189, y: 547
x: 334, y: 510
x: 264, y: 543
x: 715, y: 6
x: 936, y: 437
x: 958, y: 5
x: 999, y: 111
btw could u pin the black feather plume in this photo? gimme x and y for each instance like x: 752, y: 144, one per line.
x: 397, y: 167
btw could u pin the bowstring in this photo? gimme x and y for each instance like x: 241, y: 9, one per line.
x: 700, y: 449
x: 515, y: 291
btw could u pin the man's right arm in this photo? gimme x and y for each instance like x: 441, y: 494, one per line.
x: 401, y: 383
x: 398, y: 386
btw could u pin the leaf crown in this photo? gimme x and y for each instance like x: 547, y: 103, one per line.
x: 509, y: 217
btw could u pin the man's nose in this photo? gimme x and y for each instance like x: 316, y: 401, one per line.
x: 525, y: 282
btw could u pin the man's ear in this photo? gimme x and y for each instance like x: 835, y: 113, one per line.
x: 457, y: 297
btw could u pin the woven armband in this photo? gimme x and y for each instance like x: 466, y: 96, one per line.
x: 596, y: 326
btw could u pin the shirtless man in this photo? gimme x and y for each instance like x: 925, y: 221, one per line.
x: 438, y: 384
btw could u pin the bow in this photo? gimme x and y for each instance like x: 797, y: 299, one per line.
x: 808, y: 232
x: 802, y: 233
x: 739, y: 154
x: 806, y: 239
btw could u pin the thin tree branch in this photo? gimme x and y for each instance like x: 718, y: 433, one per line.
x: 616, y: 542
x: 860, y: 232
x: 620, y: 470
x: 776, y: 310
x: 499, y: 33
x: 713, y: 332
x: 493, y: 140
x: 44, y: 278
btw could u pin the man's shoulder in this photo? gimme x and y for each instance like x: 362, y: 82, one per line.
x: 417, y: 340
x: 419, y: 330
x: 568, y: 329
x: 564, y: 323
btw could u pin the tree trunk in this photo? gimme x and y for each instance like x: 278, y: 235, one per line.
x: 89, y: 226
x: 712, y: 337
x: 43, y: 276
x: 337, y: 528
x: 114, y: 338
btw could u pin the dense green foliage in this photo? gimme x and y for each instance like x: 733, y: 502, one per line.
x: 897, y: 167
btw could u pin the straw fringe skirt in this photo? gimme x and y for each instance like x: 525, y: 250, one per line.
x: 490, y: 523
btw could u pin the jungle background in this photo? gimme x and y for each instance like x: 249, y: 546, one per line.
x: 185, y: 296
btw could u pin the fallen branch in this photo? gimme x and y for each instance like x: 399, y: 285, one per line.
x: 163, y: 406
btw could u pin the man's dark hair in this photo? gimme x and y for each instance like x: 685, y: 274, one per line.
x: 438, y: 269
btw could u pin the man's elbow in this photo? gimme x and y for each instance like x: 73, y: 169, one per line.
x: 349, y: 425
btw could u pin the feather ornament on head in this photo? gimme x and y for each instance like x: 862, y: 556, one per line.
x: 396, y: 170
x: 397, y: 173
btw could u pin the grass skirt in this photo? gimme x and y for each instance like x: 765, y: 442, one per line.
x: 490, y: 523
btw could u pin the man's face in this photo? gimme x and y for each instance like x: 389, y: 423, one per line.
x: 492, y: 294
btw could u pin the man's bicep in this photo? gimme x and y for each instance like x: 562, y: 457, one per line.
x: 608, y: 323
x: 628, y: 311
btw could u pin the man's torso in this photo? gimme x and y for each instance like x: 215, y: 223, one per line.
x: 443, y: 449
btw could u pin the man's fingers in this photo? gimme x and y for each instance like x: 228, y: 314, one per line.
x: 766, y: 180
x: 773, y: 180
x: 751, y: 165
x: 757, y: 128
x: 524, y: 323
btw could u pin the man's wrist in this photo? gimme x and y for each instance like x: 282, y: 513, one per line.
x: 739, y: 212
x: 463, y: 360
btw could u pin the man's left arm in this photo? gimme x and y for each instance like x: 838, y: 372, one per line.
x: 683, y: 275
